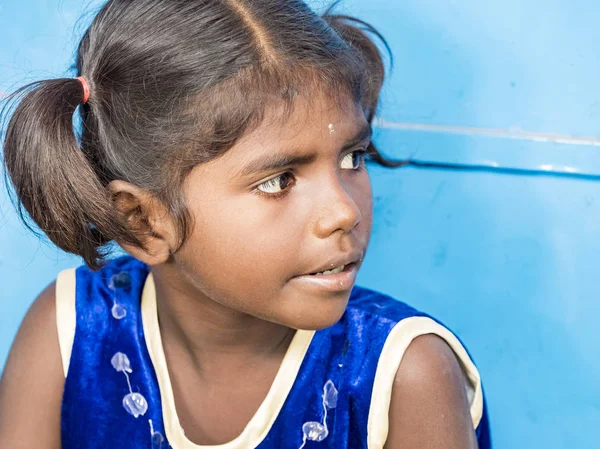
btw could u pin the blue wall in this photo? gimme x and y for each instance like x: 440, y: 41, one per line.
x: 494, y: 229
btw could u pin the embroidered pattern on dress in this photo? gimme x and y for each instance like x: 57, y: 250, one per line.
x: 119, y: 281
x: 134, y: 403
x: 316, y: 431
x: 157, y: 437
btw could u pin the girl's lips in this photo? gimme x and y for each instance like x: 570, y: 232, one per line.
x: 338, y: 282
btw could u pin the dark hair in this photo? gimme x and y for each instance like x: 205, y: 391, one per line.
x: 173, y: 84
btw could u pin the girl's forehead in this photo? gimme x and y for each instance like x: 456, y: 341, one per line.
x: 312, y: 117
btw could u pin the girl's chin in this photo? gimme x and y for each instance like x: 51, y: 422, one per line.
x: 316, y: 316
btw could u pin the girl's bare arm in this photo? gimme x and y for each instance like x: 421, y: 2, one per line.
x: 33, y: 380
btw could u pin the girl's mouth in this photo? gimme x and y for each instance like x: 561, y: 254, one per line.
x: 338, y: 279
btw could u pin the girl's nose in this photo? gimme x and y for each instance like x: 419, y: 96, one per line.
x: 337, y: 211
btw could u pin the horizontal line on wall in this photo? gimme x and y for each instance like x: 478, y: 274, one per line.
x: 518, y: 171
x: 512, y: 133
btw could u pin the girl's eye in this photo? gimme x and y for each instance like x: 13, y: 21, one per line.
x: 354, y: 160
x: 276, y: 185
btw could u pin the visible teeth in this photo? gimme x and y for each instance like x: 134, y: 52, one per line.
x: 334, y: 271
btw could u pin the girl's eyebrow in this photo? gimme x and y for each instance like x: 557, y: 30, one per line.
x: 273, y: 162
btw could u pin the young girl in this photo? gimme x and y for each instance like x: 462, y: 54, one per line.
x: 223, y: 146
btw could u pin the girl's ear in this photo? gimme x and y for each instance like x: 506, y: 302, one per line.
x: 148, y: 218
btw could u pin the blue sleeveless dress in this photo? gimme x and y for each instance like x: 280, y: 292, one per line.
x: 333, y: 388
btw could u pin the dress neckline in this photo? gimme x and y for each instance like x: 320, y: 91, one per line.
x: 259, y: 425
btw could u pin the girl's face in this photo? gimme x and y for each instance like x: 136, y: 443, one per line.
x: 289, y: 199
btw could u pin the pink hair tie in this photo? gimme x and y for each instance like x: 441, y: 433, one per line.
x: 86, y: 89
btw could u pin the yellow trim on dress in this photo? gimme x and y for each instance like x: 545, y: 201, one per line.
x: 66, y: 315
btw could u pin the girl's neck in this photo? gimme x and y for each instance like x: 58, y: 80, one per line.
x: 213, y: 336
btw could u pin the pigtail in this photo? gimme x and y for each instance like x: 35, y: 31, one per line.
x: 357, y: 33
x: 53, y: 180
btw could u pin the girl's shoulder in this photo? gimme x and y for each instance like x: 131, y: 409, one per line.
x: 379, y: 329
x: 387, y: 326
x: 113, y: 290
x: 94, y: 307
